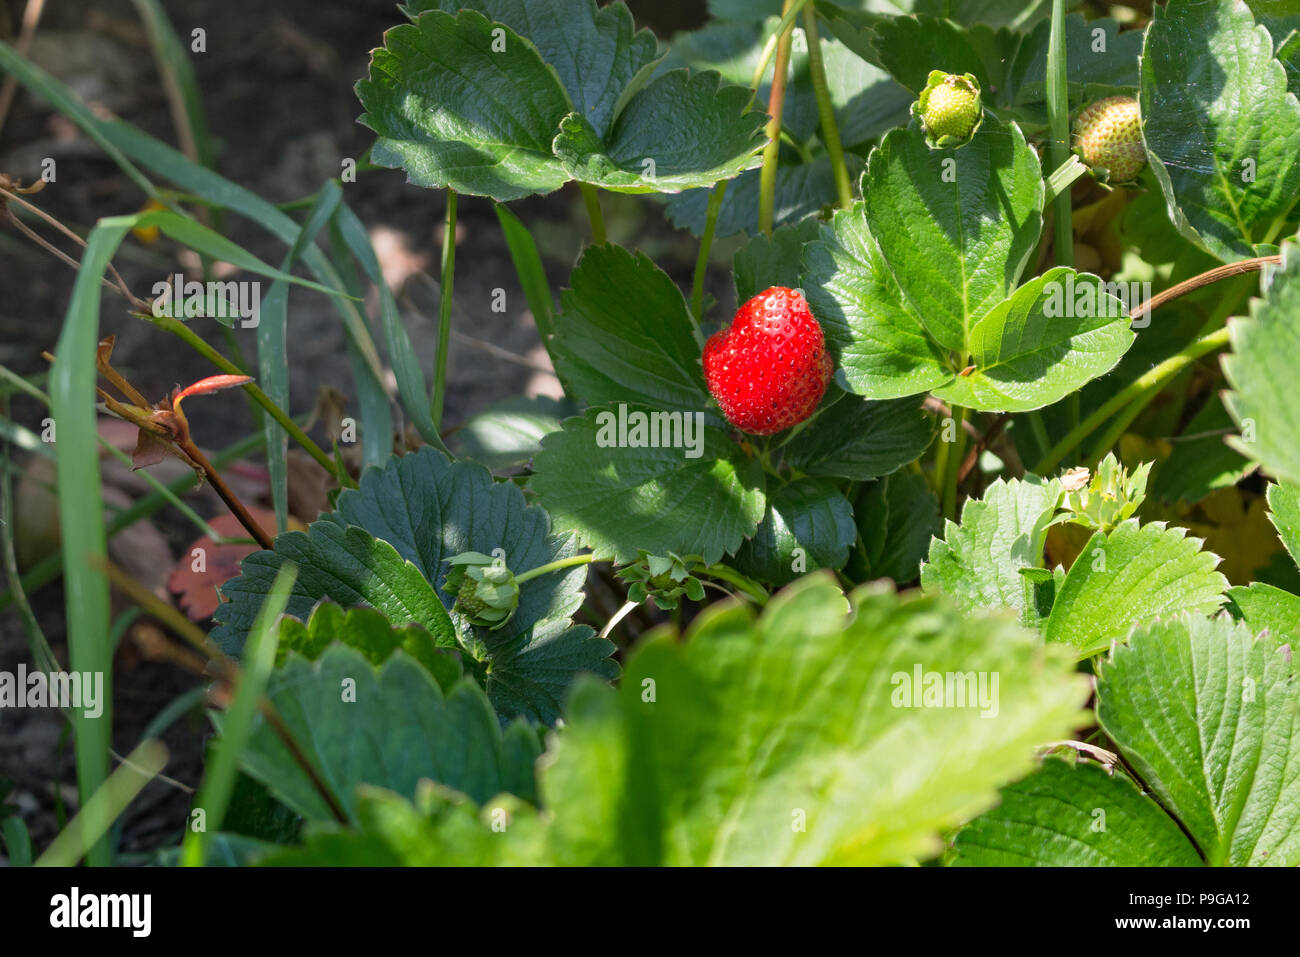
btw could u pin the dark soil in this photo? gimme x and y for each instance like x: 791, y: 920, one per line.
x: 277, y: 85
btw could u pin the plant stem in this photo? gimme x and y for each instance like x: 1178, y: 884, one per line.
x: 1162, y: 373
x: 172, y: 498
x: 42, y: 653
x: 952, y: 463
x: 702, y: 260
x: 1121, y: 423
x: 229, y: 497
x: 728, y: 574
x: 554, y: 566
x: 48, y: 568
x: 1058, y: 121
x: 775, y: 107
x: 1039, y: 432
x: 199, y: 345
x: 1058, y: 151
x: 825, y: 109
x: 1156, y: 377
x: 592, y: 199
x: 446, y: 283
x: 769, y: 48
x: 226, y: 670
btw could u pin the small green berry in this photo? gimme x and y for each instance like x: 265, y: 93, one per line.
x: 485, y: 589
x: 1108, y: 135
x: 949, y: 108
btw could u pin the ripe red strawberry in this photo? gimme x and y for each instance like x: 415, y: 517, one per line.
x: 768, y: 370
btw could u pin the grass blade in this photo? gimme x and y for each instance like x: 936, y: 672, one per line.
x: 259, y: 659
x: 272, y: 352
x: 401, y: 354
x: 201, y: 239
x: 86, y: 831
x: 532, y: 274
x: 180, y: 82
x: 372, y: 398
x: 62, y: 99
x: 18, y: 843
x: 81, y: 507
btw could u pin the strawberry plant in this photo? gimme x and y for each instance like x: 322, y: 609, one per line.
x: 949, y: 514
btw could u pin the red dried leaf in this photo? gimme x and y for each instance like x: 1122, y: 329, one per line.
x: 198, y: 575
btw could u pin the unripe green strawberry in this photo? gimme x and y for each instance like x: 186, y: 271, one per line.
x: 485, y: 589
x: 1108, y: 135
x: 467, y: 601
x: 949, y: 108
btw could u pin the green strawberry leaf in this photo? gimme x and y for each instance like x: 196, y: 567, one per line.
x: 1280, y: 17
x: 896, y: 517
x: 683, y: 130
x: 856, y: 439
x: 1221, y: 129
x: 388, y: 725
x: 910, y: 47
x: 348, y: 565
x: 1096, y: 65
x: 385, y: 546
x: 1208, y: 715
x: 786, y: 739
x: 808, y: 525
x: 1056, y: 333
x: 802, y: 189
x: 968, y: 13
x: 368, y: 632
x: 694, y: 492
x: 517, y: 107
x: 509, y: 433
x: 879, y: 347
x: 441, y: 828
x: 765, y: 261
x: 597, y: 54
x: 1069, y: 814
x: 624, y: 334
x: 866, y: 101
x: 1284, y: 513
x: 955, y: 227
x: 1266, y: 607
x: 1132, y: 575
x: 1265, y: 353
x: 978, y: 563
x: 1201, y: 461
x: 430, y: 510
x: 452, y: 111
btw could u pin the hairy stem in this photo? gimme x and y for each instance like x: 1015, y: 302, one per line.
x: 952, y: 463
x: 728, y: 574
x: 590, y: 197
x: 702, y: 260
x: 1160, y: 374
x: 825, y: 110
x: 775, y: 107
x: 1155, y: 378
x: 446, y: 282
x: 555, y: 566
x: 227, y: 495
